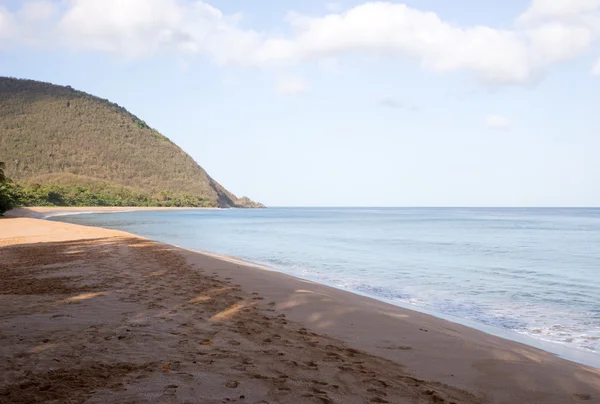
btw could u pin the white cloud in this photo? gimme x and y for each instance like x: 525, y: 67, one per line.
x: 292, y: 85
x: 556, y: 42
x: 548, y: 32
x: 497, y: 55
x: 132, y: 28
x: 558, y: 9
x: 497, y: 122
x: 38, y: 10
x: 596, y: 69
x: 140, y: 27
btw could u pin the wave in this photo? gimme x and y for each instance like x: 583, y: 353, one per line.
x: 509, y: 321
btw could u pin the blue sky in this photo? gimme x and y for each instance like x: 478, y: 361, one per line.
x: 416, y: 103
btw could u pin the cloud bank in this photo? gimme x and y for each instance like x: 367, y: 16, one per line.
x: 548, y: 32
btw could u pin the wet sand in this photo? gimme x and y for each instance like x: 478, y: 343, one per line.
x: 95, y: 315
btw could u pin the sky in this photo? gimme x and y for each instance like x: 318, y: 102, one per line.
x: 349, y: 103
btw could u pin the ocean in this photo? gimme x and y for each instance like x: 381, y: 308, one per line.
x: 527, y: 274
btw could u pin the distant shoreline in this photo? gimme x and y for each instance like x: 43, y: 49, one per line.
x: 45, y: 212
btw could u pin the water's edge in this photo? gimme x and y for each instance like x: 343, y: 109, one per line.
x: 558, y: 350
x: 566, y: 353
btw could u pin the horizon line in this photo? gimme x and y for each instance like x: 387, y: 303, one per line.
x: 431, y: 207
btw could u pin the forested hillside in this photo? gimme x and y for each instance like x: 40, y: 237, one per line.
x: 63, y: 146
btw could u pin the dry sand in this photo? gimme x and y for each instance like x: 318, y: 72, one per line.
x: 95, y: 315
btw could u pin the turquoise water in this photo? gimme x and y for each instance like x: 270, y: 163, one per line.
x: 532, y: 275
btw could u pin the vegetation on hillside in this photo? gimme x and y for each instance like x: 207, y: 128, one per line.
x: 66, y: 147
x: 12, y: 195
x: 7, y: 197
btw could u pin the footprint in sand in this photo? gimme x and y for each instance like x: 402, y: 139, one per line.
x: 232, y: 384
x: 398, y: 347
x: 63, y: 315
x: 323, y: 399
x: 583, y: 397
x: 377, y: 392
x: 377, y: 382
x: 332, y: 355
x: 378, y: 400
x: 346, y: 368
x: 279, y: 380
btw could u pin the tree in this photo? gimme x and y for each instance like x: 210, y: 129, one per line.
x: 6, y: 191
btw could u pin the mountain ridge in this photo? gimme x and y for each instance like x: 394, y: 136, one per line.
x: 53, y: 135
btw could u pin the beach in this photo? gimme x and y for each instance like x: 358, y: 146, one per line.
x: 97, y: 315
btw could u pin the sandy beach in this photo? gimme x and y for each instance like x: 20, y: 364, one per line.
x: 95, y: 315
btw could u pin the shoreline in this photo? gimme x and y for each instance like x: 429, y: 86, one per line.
x: 576, y: 356
x: 497, y: 369
x: 51, y: 211
x: 564, y: 352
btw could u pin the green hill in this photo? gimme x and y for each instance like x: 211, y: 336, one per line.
x: 63, y: 146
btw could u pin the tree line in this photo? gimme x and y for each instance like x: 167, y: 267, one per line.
x: 14, y: 194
